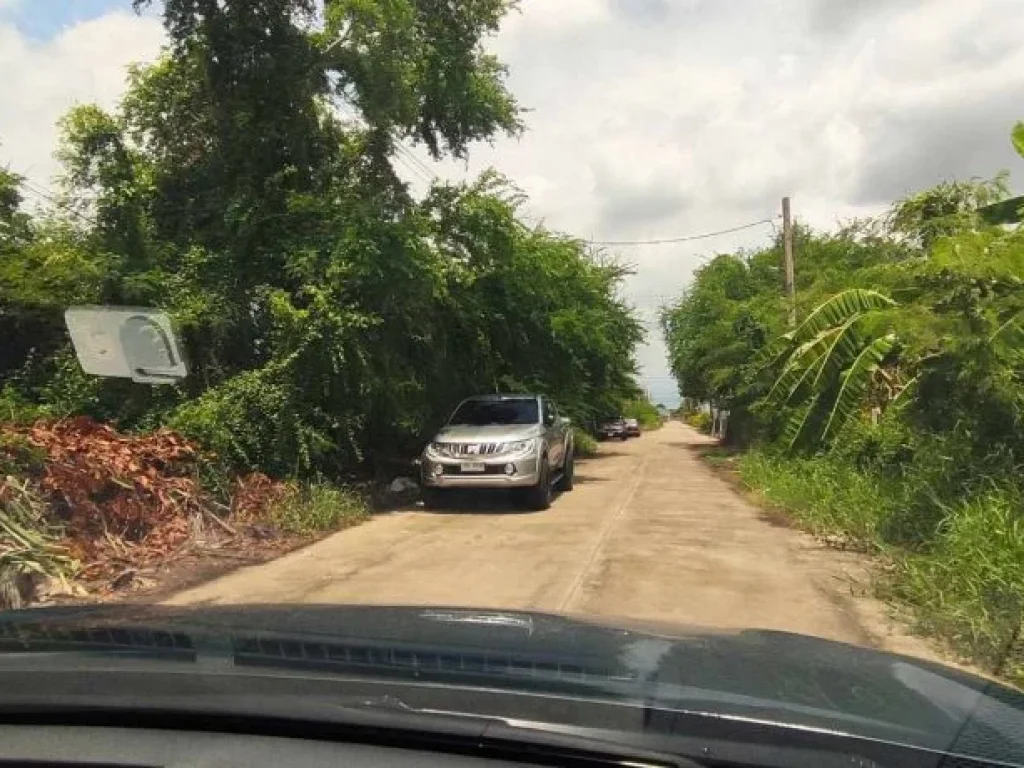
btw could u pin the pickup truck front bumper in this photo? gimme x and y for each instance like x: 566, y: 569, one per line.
x: 438, y: 472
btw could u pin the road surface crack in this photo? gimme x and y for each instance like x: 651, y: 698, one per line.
x: 609, y: 524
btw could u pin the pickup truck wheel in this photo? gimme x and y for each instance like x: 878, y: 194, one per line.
x: 565, y: 483
x: 539, y: 496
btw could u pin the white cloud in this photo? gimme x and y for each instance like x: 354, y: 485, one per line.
x: 554, y: 18
x: 654, y: 118
x: 85, y: 63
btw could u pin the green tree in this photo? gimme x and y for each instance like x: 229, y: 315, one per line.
x: 329, y: 319
x: 945, y: 209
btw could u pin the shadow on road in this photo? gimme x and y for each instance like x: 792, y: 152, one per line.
x: 478, y: 502
x: 582, y: 479
x: 710, y: 448
x: 604, y: 453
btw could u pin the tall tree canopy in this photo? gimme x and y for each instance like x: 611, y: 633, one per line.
x: 328, y: 317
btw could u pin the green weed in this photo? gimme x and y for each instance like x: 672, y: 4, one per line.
x: 585, y: 444
x: 969, y: 586
x: 319, y: 506
x: 825, y: 497
x: 18, y: 456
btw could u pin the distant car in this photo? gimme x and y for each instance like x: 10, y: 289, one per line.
x: 612, y: 429
x: 632, y: 428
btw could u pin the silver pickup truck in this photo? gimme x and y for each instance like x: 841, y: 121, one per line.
x: 516, y: 442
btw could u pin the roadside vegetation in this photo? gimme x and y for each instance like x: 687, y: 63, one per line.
x: 891, y: 418
x: 246, y: 183
x: 699, y: 420
x: 585, y: 444
x: 644, y: 411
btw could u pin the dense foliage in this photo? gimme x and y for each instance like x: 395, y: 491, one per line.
x: 329, y: 318
x: 894, y: 412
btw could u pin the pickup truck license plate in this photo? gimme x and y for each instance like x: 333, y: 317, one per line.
x: 473, y: 466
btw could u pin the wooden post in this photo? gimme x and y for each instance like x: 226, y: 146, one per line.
x: 787, y: 245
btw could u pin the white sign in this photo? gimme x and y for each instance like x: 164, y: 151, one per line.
x: 126, y: 342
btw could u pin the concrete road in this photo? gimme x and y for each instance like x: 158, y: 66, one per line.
x: 649, y: 533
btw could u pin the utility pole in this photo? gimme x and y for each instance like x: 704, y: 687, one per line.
x: 787, y: 245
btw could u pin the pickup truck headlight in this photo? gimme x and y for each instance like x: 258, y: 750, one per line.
x: 520, y: 446
x: 438, y: 449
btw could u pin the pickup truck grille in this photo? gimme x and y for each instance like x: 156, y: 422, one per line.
x: 490, y: 469
x: 461, y: 450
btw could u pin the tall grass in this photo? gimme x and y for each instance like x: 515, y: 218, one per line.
x: 963, y: 576
x: 584, y: 443
x: 825, y: 497
x: 969, y: 587
x: 319, y: 506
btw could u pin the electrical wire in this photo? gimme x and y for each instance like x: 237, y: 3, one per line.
x: 412, y: 163
x: 400, y: 159
x: 685, y: 238
x: 409, y: 155
x: 50, y: 198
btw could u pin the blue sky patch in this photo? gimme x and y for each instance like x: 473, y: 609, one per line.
x: 45, y: 19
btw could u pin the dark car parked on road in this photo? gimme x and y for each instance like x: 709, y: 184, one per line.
x: 612, y: 429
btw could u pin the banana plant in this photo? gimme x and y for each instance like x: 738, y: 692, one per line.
x: 828, y: 363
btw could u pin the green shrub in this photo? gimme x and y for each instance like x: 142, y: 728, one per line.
x: 319, y: 506
x: 585, y: 444
x: 253, y: 423
x: 701, y: 421
x: 18, y: 456
x: 14, y: 408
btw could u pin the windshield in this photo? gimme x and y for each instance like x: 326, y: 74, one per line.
x: 679, y: 314
x: 484, y: 412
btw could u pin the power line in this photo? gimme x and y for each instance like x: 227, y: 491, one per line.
x: 409, y: 155
x: 57, y: 202
x: 413, y: 169
x: 685, y: 238
x: 412, y: 163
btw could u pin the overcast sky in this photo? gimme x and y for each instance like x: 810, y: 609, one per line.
x: 652, y: 118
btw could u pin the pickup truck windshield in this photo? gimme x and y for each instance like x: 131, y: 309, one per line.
x: 481, y: 412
